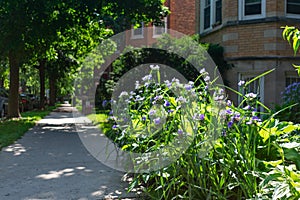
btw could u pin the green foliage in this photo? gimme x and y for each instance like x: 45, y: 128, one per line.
x: 37, y: 30
x: 292, y: 35
x: 13, y: 129
x: 136, y: 56
x: 251, y: 158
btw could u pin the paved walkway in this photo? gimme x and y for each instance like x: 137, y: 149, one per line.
x: 50, y: 162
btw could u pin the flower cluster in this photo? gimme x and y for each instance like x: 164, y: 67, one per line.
x: 291, y: 94
x: 158, y: 106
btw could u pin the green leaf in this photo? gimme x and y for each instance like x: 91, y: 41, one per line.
x: 289, y: 128
x: 272, y: 163
x: 258, y: 77
x: 292, y: 155
x: 296, y: 44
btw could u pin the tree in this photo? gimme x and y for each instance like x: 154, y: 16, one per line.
x: 28, y: 28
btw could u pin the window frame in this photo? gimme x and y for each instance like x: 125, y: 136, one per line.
x: 213, y: 11
x: 165, y: 27
x: 261, y: 86
x: 290, y: 15
x: 137, y: 36
x: 242, y: 15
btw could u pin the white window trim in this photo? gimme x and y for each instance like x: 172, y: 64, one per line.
x: 139, y: 36
x: 165, y: 20
x: 242, y: 15
x: 212, y: 15
x: 296, y: 16
x: 242, y: 76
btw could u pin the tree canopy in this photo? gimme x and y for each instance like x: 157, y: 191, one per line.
x: 41, y: 29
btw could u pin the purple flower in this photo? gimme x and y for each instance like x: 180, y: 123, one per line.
x: 188, y: 87
x: 237, y: 117
x: 229, y: 111
x: 158, y: 97
x: 199, y: 117
x: 114, y: 126
x: 170, y: 111
x: 157, y: 120
x: 144, y: 118
x: 181, y: 99
x: 168, y: 83
x: 104, y: 103
x: 111, y: 112
x: 255, y: 118
x: 180, y: 132
x: 167, y: 104
x: 152, y: 112
x: 230, y: 124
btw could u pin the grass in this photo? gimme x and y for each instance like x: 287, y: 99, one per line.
x: 13, y: 129
x: 100, y: 119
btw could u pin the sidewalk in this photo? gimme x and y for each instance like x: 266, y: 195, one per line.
x: 50, y: 162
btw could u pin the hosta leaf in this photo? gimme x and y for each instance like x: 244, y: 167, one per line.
x: 272, y: 163
x: 293, y: 155
x: 289, y: 128
x: 282, y: 191
x: 290, y: 145
x: 265, y: 133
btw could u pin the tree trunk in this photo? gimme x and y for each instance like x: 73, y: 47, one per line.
x: 42, y: 84
x: 2, y: 82
x: 52, y: 85
x: 13, y: 98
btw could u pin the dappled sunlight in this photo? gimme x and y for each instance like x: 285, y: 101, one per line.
x: 17, y: 149
x: 63, y: 173
x: 103, y: 190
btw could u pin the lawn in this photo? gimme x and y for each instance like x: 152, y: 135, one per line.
x: 13, y: 129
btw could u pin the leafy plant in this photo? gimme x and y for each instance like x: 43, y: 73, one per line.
x: 251, y: 158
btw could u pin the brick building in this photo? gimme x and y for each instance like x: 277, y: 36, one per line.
x: 251, y: 34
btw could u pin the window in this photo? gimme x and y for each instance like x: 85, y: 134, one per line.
x: 293, y: 8
x: 291, y: 78
x: 256, y: 87
x: 137, y: 33
x: 252, y: 9
x: 211, y: 14
x: 159, y: 27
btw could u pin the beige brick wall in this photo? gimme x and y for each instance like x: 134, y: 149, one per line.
x: 255, y: 40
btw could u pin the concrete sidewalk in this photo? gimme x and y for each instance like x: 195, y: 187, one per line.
x: 50, y: 162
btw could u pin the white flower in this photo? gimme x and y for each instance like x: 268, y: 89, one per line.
x: 241, y: 83
x: 251, y: 95
x: 202, y: 71
x: 181, y: 99
x: 156, y: 67
x: 207, y: 78
x: 124, y: 93
x: 137, y: 85
x: 147, y: 77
